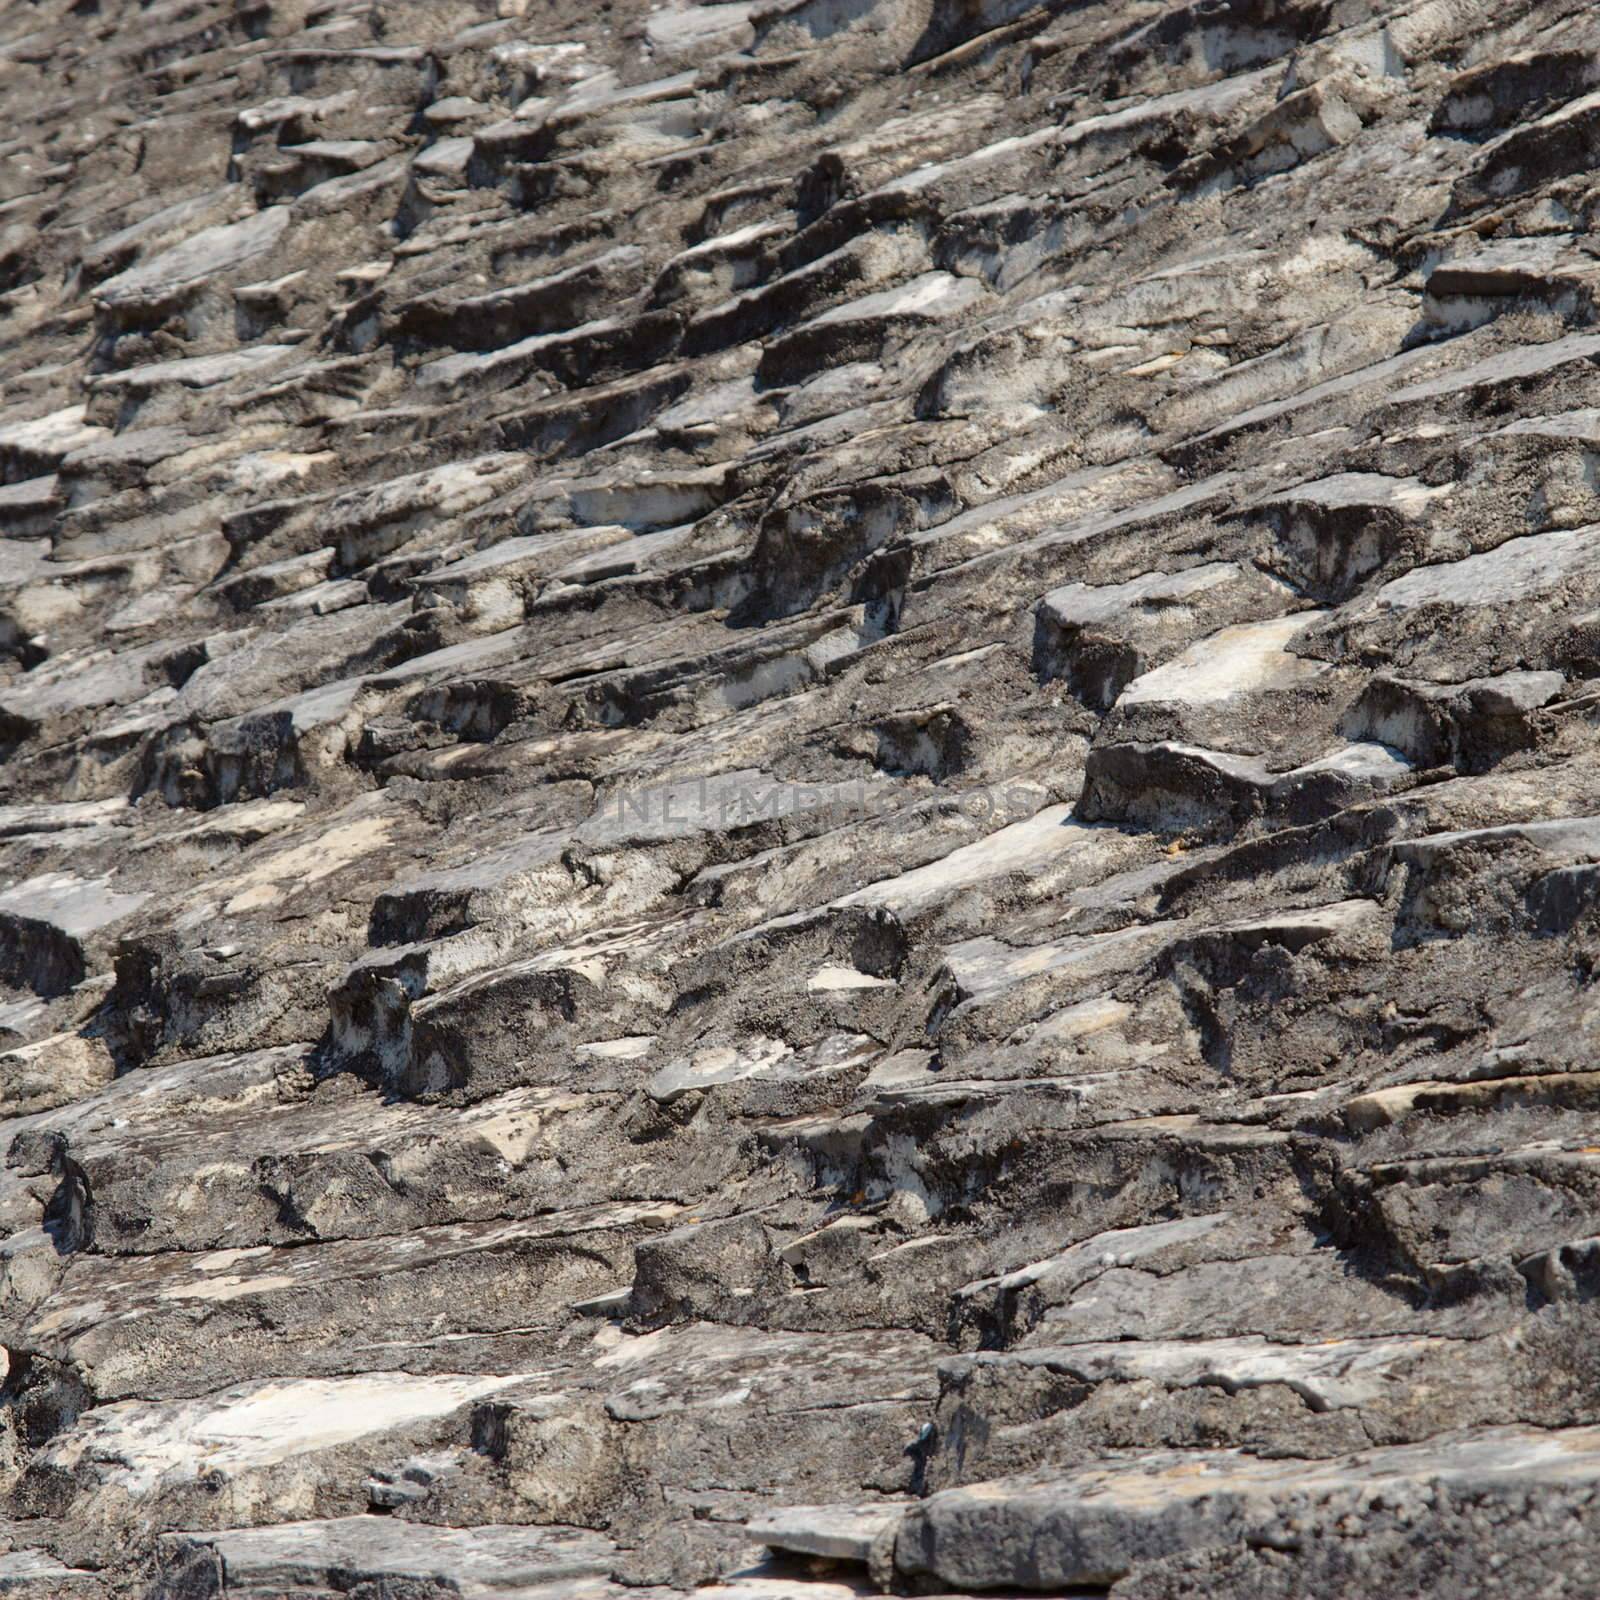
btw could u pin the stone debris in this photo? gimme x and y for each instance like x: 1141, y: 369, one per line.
x: 797, y: 799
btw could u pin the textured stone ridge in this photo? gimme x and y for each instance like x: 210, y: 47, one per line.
x: 799, y: 797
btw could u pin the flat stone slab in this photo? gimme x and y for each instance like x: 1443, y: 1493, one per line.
x: 33, y: 1575
x: 1094, y: 1524
x: 840, y: 1533
x: 148, y: 1446
x: 1516, y: 570
x: 384, y: 1551
x: 1025, y: 848
x: 203, y: 257
x: 1081, y: 604
x: 1249, y: 658
x: 1527, y: 362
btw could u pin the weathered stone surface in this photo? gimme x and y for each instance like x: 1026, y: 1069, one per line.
x: 378, y: 1553
x: 1100, y: 1523
x: 814, y: 776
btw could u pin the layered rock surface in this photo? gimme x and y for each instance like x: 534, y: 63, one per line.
x: 798, y: 797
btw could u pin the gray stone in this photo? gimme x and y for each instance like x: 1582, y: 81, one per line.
x: 376, y: 1550
x: 838, y: 1533
x: 785, y: 781
x: 1095, y: 1525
